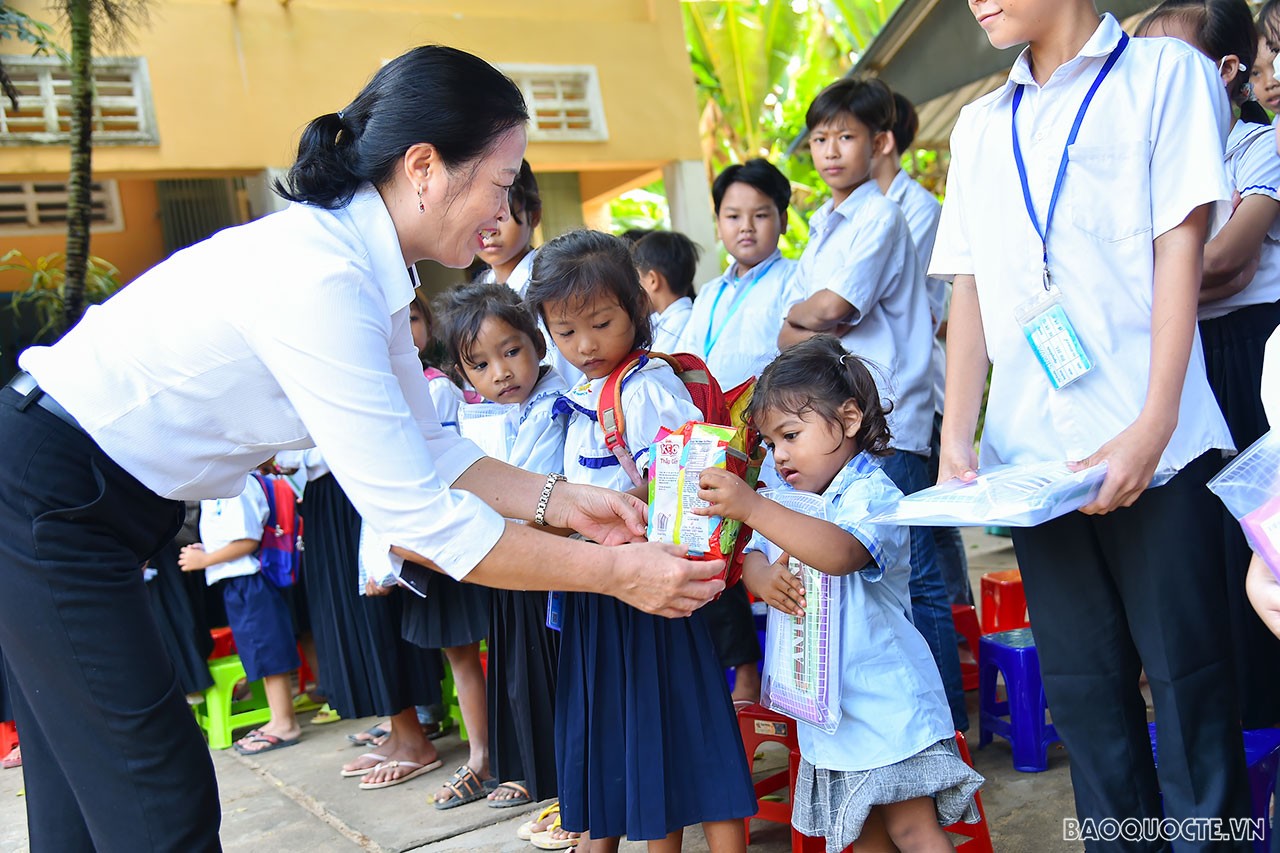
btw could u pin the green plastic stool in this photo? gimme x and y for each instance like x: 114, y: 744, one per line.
x: 218, y: 715
x: 449, y: 699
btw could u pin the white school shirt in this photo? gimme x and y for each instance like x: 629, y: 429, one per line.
x: 1253, y: 167
x: 536, y: 428
x: 1149, y: 152
x: 862, y: 251
x: 652, y: 397
x: 736, y: 319
x: 189, y: 405
x: 519, y: 278
x: 446, y: 397
x: 923, y: 211
x: 892, y: 702
x: 226, y: 520
x: 1270, y: 389
x: 669, y: 325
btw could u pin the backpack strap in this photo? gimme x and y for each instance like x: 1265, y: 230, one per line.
x: 609, y: 414
x: 272, y: 523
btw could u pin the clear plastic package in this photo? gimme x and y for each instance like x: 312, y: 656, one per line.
x: 802, y: 653
x: 1003, y: 495
x: 1250, y: 487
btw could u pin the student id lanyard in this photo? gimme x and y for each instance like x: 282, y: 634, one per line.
x: 1043, y: 318
x: 713, y: 333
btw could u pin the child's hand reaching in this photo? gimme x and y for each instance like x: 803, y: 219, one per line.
x: 728, y: 494
x: 774, y: 584
x: 193, y: 558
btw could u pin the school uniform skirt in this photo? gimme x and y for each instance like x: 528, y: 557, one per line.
x: 177, y: 600
x: 1233, y: 351
x: 646, y: 736
x: 523, y: 657
x: 365, y: 667
x: 449, y: 615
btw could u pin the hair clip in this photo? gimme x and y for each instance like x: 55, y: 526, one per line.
x: 340, y: 115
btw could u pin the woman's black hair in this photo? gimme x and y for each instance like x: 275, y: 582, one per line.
x: 463, y: 311
x: 578, y: 266
x: 867, y: 99
x: 906, y: 123
x: 819, y: 375
x: 1221, y: 28
x: 672, y: 255
x: 457, y: 102
x: 524, y: 197
x: 760, y: 174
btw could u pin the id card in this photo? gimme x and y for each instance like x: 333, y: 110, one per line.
x: 1053, y: 338
x: 555, y: 610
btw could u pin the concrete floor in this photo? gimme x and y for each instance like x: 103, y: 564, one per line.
x: 293, y: 799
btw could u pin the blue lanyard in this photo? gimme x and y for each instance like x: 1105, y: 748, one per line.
x: 1062, y: 167
x: 713, y: 334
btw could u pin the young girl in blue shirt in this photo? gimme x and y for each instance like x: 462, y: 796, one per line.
x: 647, y: 741
x: 890, y: 776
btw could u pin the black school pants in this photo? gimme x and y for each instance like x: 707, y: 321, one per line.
x: 113, y: 759
x: 1110, y: 595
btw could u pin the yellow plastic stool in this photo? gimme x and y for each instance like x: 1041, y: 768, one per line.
x: 218, y: 715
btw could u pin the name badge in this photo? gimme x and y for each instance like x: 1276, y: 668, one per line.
x: 555, y: 610
x: 1053, y: 338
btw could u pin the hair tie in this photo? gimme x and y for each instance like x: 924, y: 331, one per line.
x: 843, y: 357
x: 339, y: 115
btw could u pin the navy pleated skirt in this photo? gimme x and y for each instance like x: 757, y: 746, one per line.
x: 646, y: 736
x: 1233, y: 351
x: 177, y: 600
x: 523, y: 657
x: 365, y: 666
x: 449, y: 615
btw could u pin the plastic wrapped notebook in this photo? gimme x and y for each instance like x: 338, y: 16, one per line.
x: 1250, y: 487
x: 1004, y: 495
x: 802, y: 653
x: 489, y: 425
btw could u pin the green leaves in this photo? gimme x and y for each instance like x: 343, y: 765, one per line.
x: 45, y: 292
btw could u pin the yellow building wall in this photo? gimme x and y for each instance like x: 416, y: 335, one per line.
x: 233, y: 83
x: 135, y: 249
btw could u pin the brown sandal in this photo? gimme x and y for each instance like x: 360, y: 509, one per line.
x: 464, y: 786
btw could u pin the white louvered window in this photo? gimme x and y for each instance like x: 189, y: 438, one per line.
x: 564, y: 102
x: 122, y: 108
x: 39, y: 207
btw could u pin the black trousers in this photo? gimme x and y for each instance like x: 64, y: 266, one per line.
x: 112, y: 757
x: 1111, y: 595
x: 733, y: 628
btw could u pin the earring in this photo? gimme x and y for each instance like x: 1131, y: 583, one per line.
x: 422, y: 208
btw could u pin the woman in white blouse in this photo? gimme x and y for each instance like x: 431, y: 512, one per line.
x: 288, y: 332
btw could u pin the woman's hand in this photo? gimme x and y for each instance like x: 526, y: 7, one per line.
x: 774, y: 584
x: 192, y: 558
x: 661, y: 580
x: 376, y: 590
x: 728, y: 495
x: 1131, y: 457
x: 601, y: 515
x: 957, y: 463
x: 1264, y: 594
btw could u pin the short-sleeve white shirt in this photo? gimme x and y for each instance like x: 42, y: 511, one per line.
x: 668, y: 326
x: 1149, y: 151
x: 1253, y: 167
x: 736, y: 319
x: 862, y: 251
x: 227, y: 520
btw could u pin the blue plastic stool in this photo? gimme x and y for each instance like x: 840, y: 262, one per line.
x: 1262, y: 757
x: 1020, y: 718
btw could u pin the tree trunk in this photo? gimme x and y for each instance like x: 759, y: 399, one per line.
x: 79, y: 185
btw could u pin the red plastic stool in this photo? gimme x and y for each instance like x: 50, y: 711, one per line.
x: 977, y: 835
x: 8, y: 737
x: 1004, y: 605
x: 758, y: 726
x: 305, y: 675
x: 966, y: 622
x: 223, y: 643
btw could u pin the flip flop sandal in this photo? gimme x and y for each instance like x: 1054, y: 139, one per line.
x: 415, y: 769
x: 441, y: 729
x: 13, y: 760
x: 271, y: 741
x: 464, y: 786
x: 544, y: 841
x: 522, y: 796
x: 325, y: 716
x: 373, y: 733
x: 364, y: 771
x: 525, y: 831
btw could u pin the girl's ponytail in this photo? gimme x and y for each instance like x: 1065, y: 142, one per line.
x: 873, y: 435
x: 321, y: 174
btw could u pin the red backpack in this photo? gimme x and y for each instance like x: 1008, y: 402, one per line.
x: 282, y: 534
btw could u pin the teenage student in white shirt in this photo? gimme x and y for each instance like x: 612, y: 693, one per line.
x: 667, y: 262
x: 1132, y: 581
x: 734, y: 329
x: 1238, y: 308
x: 508, y: 249
x: 922, y: 211
x: 97, y: 452
x: 862, y: 281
